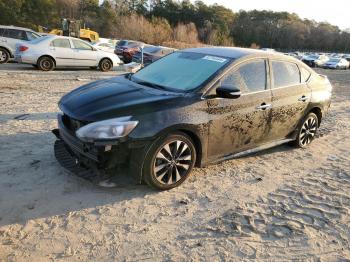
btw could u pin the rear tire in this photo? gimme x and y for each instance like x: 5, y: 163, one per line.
x: 169, y: 161
x: 306, y: 131
x: 46, y: 63
x: 106, y: 65
x: 4, y: 56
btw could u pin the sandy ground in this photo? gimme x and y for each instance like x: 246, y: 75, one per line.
x: 281, y: 204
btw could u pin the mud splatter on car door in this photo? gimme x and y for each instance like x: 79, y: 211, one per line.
x: 241, y: 123
x: 290, y: 99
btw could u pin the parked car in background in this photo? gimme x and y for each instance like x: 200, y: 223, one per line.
x: 268, y: 49
x: 151, y: 54
x: 105, y: 46
x: 49, y: 52
x: 321, y: 60
x: 190, y: 108
x: 315, y: 60
x: 336, y: 63
x: 125, y: 49
x: 10, y: 36
x: 347, y: 57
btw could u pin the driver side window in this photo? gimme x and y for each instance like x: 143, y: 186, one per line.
x: 249, y: 77
x: 81, y: 45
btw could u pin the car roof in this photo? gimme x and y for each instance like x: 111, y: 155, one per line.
x: 62, y: 37
x: 16, y: 27
x: 230, y: 52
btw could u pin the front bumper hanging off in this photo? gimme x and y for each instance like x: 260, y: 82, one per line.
x: 77, y: 157
x: 97, y: 163
x: 71, y: 163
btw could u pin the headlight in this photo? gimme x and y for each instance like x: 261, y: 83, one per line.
x: 107, y: 129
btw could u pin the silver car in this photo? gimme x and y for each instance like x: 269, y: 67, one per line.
x: 9, y: 37
x: 49, y: 52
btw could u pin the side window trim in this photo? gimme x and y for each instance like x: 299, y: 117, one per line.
x: 53, y: 44
x: 272, y: 73
x: 308, y: 79
x: 74, y: 47
x: 232, y: 66
x: 243, y: 63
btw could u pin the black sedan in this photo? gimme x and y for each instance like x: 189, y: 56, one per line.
x: 191, y: 108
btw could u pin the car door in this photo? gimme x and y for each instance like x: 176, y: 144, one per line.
x: 85, y: 55
x: 290, y: 97
x: 62, y: 51
x: 243, y: 123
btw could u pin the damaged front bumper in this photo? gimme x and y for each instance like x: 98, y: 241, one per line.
x: 93, y: 161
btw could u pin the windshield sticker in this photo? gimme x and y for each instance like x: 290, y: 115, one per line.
x: 215, y: 59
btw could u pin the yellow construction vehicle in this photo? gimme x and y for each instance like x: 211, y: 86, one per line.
x: 73, y: 28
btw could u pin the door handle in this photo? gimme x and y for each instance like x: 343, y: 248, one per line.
x: 303, y: 98
x: 263, y: 106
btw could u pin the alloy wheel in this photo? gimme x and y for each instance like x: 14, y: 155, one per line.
x: 46, y: 64
x: 308, y: 131
x: 2, y: 56
x: 106, y: 65
x: 172, y: 162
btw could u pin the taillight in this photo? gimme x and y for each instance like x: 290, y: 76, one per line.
x: 23, y: 48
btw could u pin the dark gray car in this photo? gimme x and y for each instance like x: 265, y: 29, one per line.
x: 190, y: 108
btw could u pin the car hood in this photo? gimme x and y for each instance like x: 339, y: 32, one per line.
x: 115, y: 97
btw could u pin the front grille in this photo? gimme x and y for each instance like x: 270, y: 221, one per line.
x: 72, y: 124
x: 72, y: 141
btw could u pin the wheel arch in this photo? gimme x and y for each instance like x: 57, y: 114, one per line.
x: 318, y: 112
x: 190, y: 131
x: 54, y: 60
x: 8, y: 50
x: 197, y: 144
x: 105, y: 57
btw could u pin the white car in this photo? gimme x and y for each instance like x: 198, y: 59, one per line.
x: 336, y: 63
x: 104, y: 46
x: 10, y: 36
x: 49, y: 52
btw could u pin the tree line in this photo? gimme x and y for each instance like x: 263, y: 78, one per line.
x: 170, y: 21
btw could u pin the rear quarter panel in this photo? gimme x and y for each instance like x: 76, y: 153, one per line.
x: 321, y: 92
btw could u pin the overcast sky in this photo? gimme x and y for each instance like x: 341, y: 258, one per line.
x: 336, y: 12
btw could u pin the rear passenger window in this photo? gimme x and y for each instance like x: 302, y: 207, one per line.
x: 15, y: 34
x: 63, y: 43
x: 250, y: 77
x: 305, y: 74
x: 285, y: 74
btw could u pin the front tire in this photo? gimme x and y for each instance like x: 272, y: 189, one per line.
x: 307, y: 130
x: 46, y: 63
x: 4, y: 56
x: 106, y: 65
x: 169, y: 161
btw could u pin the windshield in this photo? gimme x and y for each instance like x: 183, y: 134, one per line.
x: 180, y: 71
x: 122, y: 43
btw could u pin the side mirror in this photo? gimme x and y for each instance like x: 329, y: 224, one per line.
x: 227, y: 91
